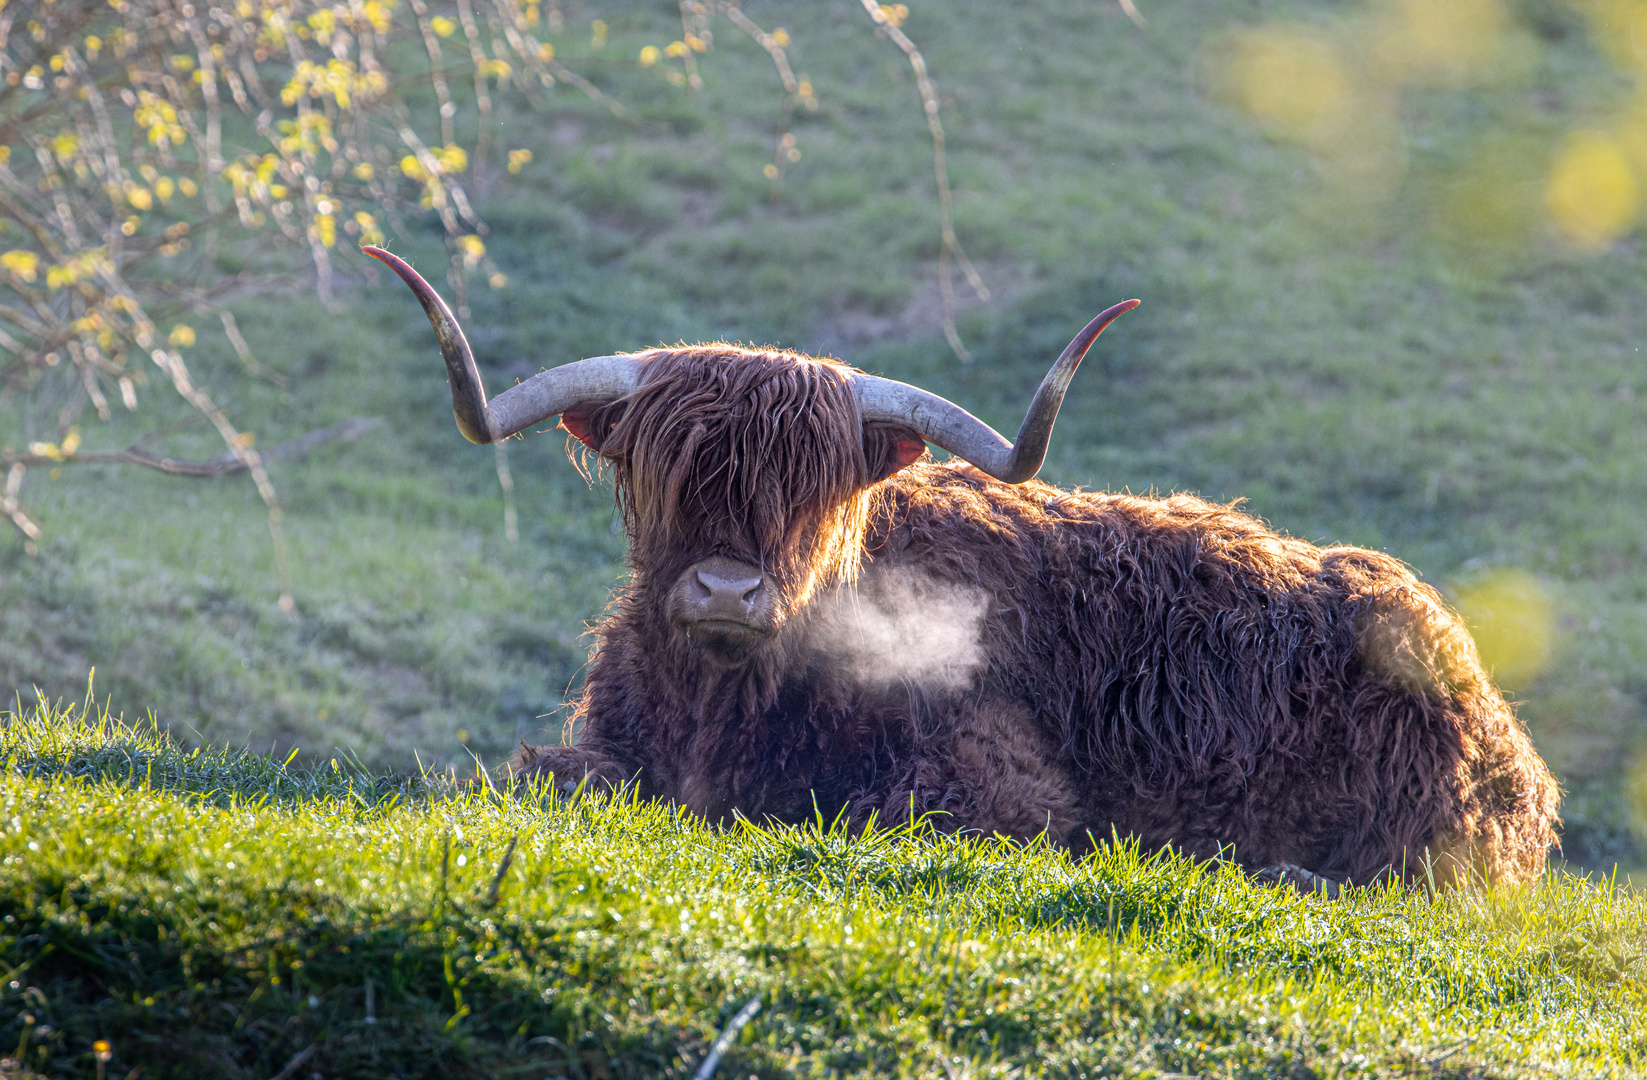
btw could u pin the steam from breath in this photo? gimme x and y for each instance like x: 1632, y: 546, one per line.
x: 897, y: 626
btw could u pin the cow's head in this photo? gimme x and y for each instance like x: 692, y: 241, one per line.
x: 745, y: 476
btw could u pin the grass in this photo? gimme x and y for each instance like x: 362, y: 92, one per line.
x: 1352, y: 377
x: 216, y: 912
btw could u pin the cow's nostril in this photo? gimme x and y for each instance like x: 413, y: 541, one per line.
x: 724, y: 597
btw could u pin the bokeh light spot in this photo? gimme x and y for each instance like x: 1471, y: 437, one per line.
x: 1291, y: 81
x: 1448, y: 42
x: 1511, y: 617
x: 1591, y: 193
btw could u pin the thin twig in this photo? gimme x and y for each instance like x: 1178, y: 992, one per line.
x: 491, y: 900
x: 1132, y: 13
x: 296, y: 1063
x: 951, y: 248
x: 506, y: 481
x: 724, y: 1043
x: 212, y: 468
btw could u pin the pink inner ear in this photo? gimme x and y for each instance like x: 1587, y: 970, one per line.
x: 577, y: 423
x: 908, y: 451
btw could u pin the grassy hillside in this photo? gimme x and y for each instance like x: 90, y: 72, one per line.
x: 1351, y: 374
x: 217, y: 913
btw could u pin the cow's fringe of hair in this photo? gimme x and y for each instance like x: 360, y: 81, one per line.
x: 754, y: 454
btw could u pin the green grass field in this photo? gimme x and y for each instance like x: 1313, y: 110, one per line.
x: 1356, y: 375
x: 214, y: 913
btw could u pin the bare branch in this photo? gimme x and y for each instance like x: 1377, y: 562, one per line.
x: 212, y: 468
x: 951, y: 248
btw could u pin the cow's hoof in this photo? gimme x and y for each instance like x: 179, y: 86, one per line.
x: 1297, y: 877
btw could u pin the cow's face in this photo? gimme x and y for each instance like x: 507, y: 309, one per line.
x: 746, y: 480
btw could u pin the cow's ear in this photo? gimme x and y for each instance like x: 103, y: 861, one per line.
x: 576, y: 423
x: 889, y: 448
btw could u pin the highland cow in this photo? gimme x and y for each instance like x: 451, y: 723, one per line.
x: 820, y: 618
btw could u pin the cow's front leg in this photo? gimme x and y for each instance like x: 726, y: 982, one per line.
x: 1304, y: 881
x: 566, y: 767
x: 993, y: 771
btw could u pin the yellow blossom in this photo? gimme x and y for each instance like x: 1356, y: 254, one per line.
x: 518, y: 160
x: 182, y: 336
x: 452, y: 158
x: 443, y: 26
x: 650, y: 55
x: 25, y: 264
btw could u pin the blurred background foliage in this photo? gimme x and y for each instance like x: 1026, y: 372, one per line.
x: 1390, y: 255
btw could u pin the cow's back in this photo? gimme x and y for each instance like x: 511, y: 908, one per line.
x: 1210, y: 683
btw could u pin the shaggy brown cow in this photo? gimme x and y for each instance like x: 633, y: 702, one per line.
x: 817, y: 619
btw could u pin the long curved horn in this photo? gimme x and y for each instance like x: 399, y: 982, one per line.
x: 946, y: 424
x: 548, y: 393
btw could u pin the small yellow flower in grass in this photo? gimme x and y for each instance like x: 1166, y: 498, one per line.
x: 244, y: 440
x: 139, y: 197
x: 443, y: 26
x: 697, y: 44
x: 164, y: 187
x: 181, y: 63
x: 597, y: 34
x: 676, y: 49
x: 188, y: 187
x: 71, y: 441
x: 781, y: 36
x: 770, y: 171
x: 129, y: 226
x: 498, y: 280
x: 473, y: 248
x: 102, y: 1050
x: 364, y: 171
x: 518, y: 160
x: 650, y: 55
x: 546, y: 52
x: 181, y: 336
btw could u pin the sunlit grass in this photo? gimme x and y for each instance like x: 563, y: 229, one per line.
x: 218, y: 912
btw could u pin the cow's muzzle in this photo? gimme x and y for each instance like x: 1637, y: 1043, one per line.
x: 723, y: 606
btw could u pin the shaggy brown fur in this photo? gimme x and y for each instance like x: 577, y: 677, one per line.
x: 1164, y: 667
